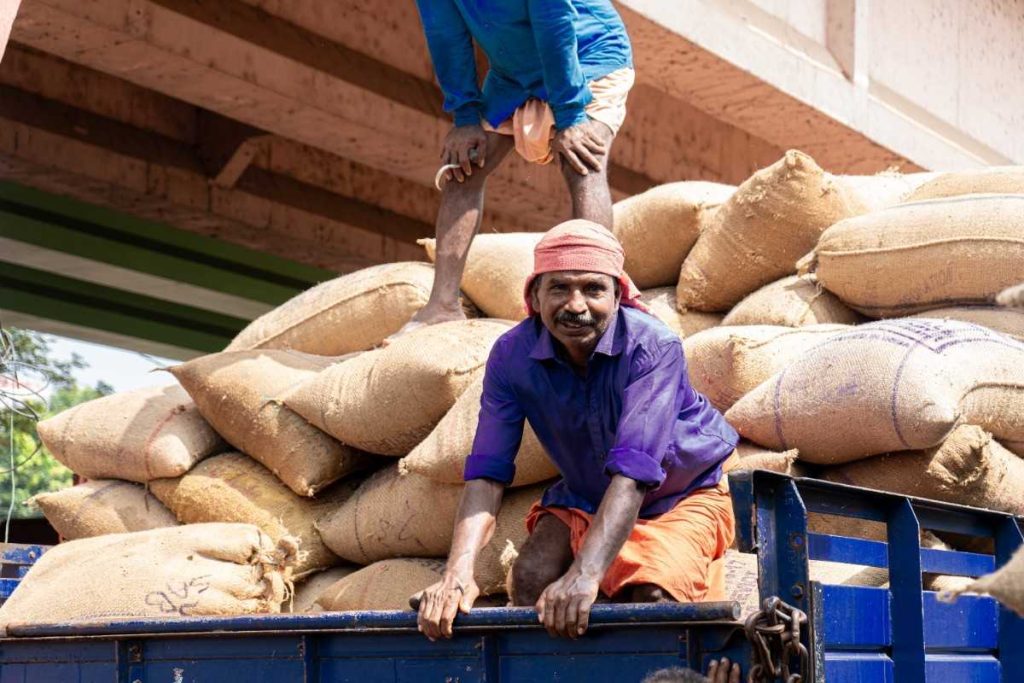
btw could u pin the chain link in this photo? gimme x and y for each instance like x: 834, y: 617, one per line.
x: 774, y: 635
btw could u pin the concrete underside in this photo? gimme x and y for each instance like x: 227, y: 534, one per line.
x: 310, y: 129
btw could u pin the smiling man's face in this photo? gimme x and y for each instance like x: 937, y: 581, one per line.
x: 576, y: 307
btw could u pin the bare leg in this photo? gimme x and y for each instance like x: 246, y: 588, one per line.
x: 591, y: 197
x: 458, y: 221
x: 544, y: 559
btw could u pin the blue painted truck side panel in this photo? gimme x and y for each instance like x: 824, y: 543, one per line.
x: 622, y: 652
x: 855, y: 634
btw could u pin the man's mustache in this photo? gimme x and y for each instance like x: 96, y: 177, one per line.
x: 575, y: 318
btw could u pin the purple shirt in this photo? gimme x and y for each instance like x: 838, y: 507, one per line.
x: 634, y: 414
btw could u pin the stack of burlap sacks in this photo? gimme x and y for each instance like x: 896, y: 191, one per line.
x: 338, y: 461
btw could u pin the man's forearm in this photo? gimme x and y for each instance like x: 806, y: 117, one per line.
x: 611, y: 526
x: 474, y: 524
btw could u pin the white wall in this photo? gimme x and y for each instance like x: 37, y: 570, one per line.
x: 961, y: 61
x: 938, y: 81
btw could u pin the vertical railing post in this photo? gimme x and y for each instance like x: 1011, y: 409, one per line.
x: 782, y: 554
x: 1011, y: 627
x: 782, y: 545
x: 907, y: 603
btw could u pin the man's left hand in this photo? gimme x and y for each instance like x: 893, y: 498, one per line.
x: 564, y: 606
x: 580, y: 146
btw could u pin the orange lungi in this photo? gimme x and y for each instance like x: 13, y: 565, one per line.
x: 679, y: 551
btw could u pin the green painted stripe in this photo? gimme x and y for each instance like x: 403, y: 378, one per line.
x: 33, y: 226
x: 42, y: 294
x: 124, y: 227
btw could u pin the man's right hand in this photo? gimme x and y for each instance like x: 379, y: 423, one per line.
x: 459, y: 146
x: 441, y: 602
x: 723, y: 671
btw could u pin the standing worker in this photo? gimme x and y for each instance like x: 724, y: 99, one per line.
x: 642, y: 509
x: 559, y: 74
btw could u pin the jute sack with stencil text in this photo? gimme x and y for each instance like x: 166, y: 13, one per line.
x: 726, y: 363
x: 189, y: 570
x: 887, y: 386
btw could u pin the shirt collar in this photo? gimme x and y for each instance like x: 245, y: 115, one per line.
x: 610, y: 343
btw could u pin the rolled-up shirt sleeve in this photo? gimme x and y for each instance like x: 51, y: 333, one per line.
x: 650, y: 407
x: 499, y: 430
x: 451, y: 49
x: 555, y: 35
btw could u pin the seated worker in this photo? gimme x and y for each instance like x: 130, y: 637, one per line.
x: 642, y: 508
x: 559, y: 73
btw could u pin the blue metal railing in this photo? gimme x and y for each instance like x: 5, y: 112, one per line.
x: 384, y: 620
x: 21, y: 557
x: 856, y: 634
x: 901, y: 633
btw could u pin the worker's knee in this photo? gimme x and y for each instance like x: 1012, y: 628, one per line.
x: 528, y: 579
x: 593, y: 181
x: 649, y: 592
x: 470, y: 184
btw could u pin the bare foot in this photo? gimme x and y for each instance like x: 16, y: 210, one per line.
x: 426, y: 317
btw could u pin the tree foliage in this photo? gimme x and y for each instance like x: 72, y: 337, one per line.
x: 29, y: 372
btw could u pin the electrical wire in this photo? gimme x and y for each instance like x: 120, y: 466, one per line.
x: 18, y: 396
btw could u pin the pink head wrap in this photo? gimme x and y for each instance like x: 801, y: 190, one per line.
x: 585, y: 246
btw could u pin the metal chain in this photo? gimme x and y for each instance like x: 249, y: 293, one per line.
x: 774, y: 635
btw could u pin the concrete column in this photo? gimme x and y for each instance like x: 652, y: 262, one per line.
x: 847, y: 37
x: 8, y: 10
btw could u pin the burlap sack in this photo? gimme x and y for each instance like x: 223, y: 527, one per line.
x: 496, y: 270
x: 928, y: 254
x: 757, y: 236
x: 235, y: 488
x: 662, y: 303
x: 968, y: 468
x: 191, y: 570
x: 239, y: 393
x: 310, y: 588
x: 1009, y: 321
x: 496, y: 558
x: 442, y: 455
x: 102, y: 506
x: 750, y: 456
x: 889, y: 386
x: 1005, y: 585
x: 388, y: 400
x: 794, y: 301
x: 885, y: 189
x: 940, y: 582
x: 658, y: 228
x: 726, y: 363
x: 1012, y: 297
x: 133, y: 435
x: 993, y: 180
x: 354, y: 312
x: 741, y: 577
x: 393, y: 515
x: 387, y: 584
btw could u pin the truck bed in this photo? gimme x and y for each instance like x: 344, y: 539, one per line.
x: 853, y: 634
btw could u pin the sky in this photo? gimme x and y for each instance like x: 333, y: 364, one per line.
x: 119, y: 368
